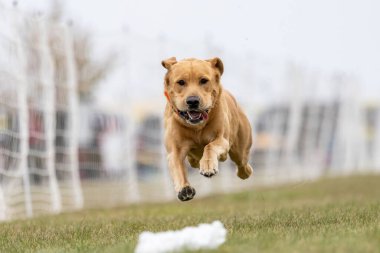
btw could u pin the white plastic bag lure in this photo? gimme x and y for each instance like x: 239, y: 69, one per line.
x: 204, y: 236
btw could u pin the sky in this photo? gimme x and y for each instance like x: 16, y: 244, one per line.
x: 328, y: 35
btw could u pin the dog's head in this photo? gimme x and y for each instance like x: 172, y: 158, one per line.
x: 193, y: 87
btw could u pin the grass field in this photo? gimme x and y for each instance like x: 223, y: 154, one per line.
x: 331, y: 215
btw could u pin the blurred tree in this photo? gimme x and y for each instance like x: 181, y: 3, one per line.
x: 90, y: 71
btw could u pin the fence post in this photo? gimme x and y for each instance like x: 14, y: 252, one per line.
x: 73, y: 112
x: 23, y: 116
x: 311, y: 159
x: 376, y: 152
x: 3, y: 204
x: 294, y: 120
x: 133, y: 193
x: 169, y: 193
x: 273, y: 157
x: 47, y: 81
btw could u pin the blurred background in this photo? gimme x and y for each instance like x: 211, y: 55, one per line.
x: 81, y: 95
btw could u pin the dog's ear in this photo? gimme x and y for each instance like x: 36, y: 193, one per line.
x: 217, y: 63
x: 168, y: 63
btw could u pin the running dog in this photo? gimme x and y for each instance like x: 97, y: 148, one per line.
x: 203, y: 122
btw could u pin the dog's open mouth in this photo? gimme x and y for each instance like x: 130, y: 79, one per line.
x: 195, y: 116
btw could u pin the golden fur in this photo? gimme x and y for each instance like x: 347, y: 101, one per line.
x: 224, y: 130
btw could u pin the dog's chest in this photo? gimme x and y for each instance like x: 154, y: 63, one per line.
x: 201, y: 139
x: 198, y: 144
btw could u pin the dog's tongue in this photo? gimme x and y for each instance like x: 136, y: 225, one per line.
x: 205, y: 115
x: 194, y: 114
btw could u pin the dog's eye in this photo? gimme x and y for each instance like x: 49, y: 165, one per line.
x: 181, y: 82
x: 203, y: 81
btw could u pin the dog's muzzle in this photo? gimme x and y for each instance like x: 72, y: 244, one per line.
x: 194, y: 116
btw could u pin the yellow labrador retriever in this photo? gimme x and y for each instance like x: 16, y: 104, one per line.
x: 203, y: 122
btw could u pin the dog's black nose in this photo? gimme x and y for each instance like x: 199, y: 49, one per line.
x: 192, y: 101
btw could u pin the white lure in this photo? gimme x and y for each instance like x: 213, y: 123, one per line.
x: 204, y: 236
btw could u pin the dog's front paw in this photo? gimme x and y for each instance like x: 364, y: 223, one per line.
x: 187, y: 193
x: 208, y: 167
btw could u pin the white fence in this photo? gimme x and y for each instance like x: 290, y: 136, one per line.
x: 57, y: 154
x: 38, y: 135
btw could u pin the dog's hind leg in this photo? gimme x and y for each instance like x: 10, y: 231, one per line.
x: 239, y: 153
x: 244, y: 170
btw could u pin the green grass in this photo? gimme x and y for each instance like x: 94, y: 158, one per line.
x: 331, y: 215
